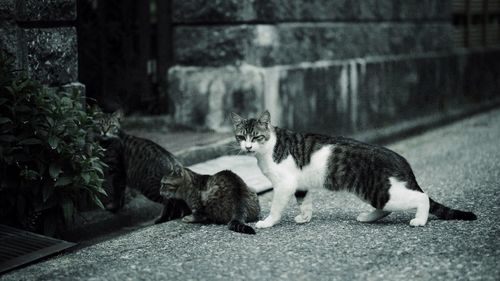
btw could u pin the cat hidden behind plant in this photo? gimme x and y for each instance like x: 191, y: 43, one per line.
x: 138, y: 163
x: 295, y: 163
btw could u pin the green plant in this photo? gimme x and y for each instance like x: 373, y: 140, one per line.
x: 49, y: 169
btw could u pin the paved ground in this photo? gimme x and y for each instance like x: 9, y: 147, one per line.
x: 458, y: 165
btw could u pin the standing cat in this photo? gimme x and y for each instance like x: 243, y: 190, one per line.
x: 296, y: 162
x: 138, y: 163
x: 221, y: 198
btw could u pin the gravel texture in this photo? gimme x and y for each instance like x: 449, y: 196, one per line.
x: 457, y: 165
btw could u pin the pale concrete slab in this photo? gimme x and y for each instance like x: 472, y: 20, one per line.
x: 244, y: 166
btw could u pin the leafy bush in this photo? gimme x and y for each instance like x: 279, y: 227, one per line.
x: 49, y: 170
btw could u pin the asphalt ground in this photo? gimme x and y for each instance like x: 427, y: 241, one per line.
x: 457, y: 165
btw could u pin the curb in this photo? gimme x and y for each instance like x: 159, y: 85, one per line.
x: 204, y: 153
x: 376, y: 136
x: 140, y: 211
x: 418, y: 126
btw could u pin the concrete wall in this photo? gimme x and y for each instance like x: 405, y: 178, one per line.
x: 336, y: 66
x: 41, y: 36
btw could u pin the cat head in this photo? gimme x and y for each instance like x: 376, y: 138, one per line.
x: 173, y: 182
x: 252, y: 134
x: 109, y: 125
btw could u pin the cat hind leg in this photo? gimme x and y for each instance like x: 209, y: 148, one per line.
x: 196, y: 217
x: 402, y: 198
x: 305, y: 205
x: 422, y: 213
x: 372, y: 216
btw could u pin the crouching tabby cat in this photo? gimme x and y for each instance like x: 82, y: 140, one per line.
x: 296, y: 163
x: 223, y: 198
x: 138, y: 163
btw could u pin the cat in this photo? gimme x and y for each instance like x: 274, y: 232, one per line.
x: 297, y: 162
x: 222, y: 198
x: 138, y: 163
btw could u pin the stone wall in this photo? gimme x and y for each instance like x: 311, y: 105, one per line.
x: 42, y: 37
x: 336, y: 66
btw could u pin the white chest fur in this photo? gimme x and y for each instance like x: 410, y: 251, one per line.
x: 310, y: 176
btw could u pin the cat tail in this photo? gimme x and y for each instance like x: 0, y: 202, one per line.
x: 237, y: 223
x: 238, y: 226
x: 445, y: 213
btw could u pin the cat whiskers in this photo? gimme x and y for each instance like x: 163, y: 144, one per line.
x: 233, y: 149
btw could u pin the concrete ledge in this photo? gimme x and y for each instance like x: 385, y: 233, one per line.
x: 406, y: 129
x: 193, y: 11
x: 199, y: 154
x: 338, y: 96
x: 291, y: 43
x: 205, y: 97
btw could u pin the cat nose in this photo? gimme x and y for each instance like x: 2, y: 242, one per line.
x: 248, y: 147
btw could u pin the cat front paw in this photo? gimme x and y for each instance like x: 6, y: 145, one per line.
x: 265, y: 223
x: 189, y: 219
x: 364, y: 217
x: 417, y: 222
x: 303, y: 218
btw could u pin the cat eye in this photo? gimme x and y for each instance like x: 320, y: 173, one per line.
x: 258, y: 138
x: 240, y: 138
x: 168, y: 186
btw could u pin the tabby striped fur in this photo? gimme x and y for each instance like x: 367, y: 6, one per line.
x: 140, y: 164
x: 222, y: 198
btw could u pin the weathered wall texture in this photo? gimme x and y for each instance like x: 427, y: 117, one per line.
x: 336, y: 66
x: 41, y: 36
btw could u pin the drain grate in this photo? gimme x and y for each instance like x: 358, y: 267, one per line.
x: 18, y: 247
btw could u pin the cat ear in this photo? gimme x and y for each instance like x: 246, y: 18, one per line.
x: 236, y: 118
x: 118, y: 114
x: 265, y: 117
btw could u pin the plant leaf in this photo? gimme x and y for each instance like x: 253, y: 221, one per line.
x: 62, y: 181
x: 86, y: 178
x: 30, y: 141
x: 50, y: 121
x: 4, y: 120
x: 7, y: 138
x: 54, y: 170
x: 99, y: 170
x: 53, y: 142
x: 23, y: 108
x: 101, y: 191
x: 97, y: 201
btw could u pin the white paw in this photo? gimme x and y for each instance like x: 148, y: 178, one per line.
x: 364, y: 217
x: 188, y: 219
x: 264, y: 224
x: 417, y: 222
x: 303, y: 218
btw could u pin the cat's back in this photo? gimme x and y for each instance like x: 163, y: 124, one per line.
x: 384, y: 157
x: 303, y: 145
x: 225, y: 192
x: 145, y: 159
